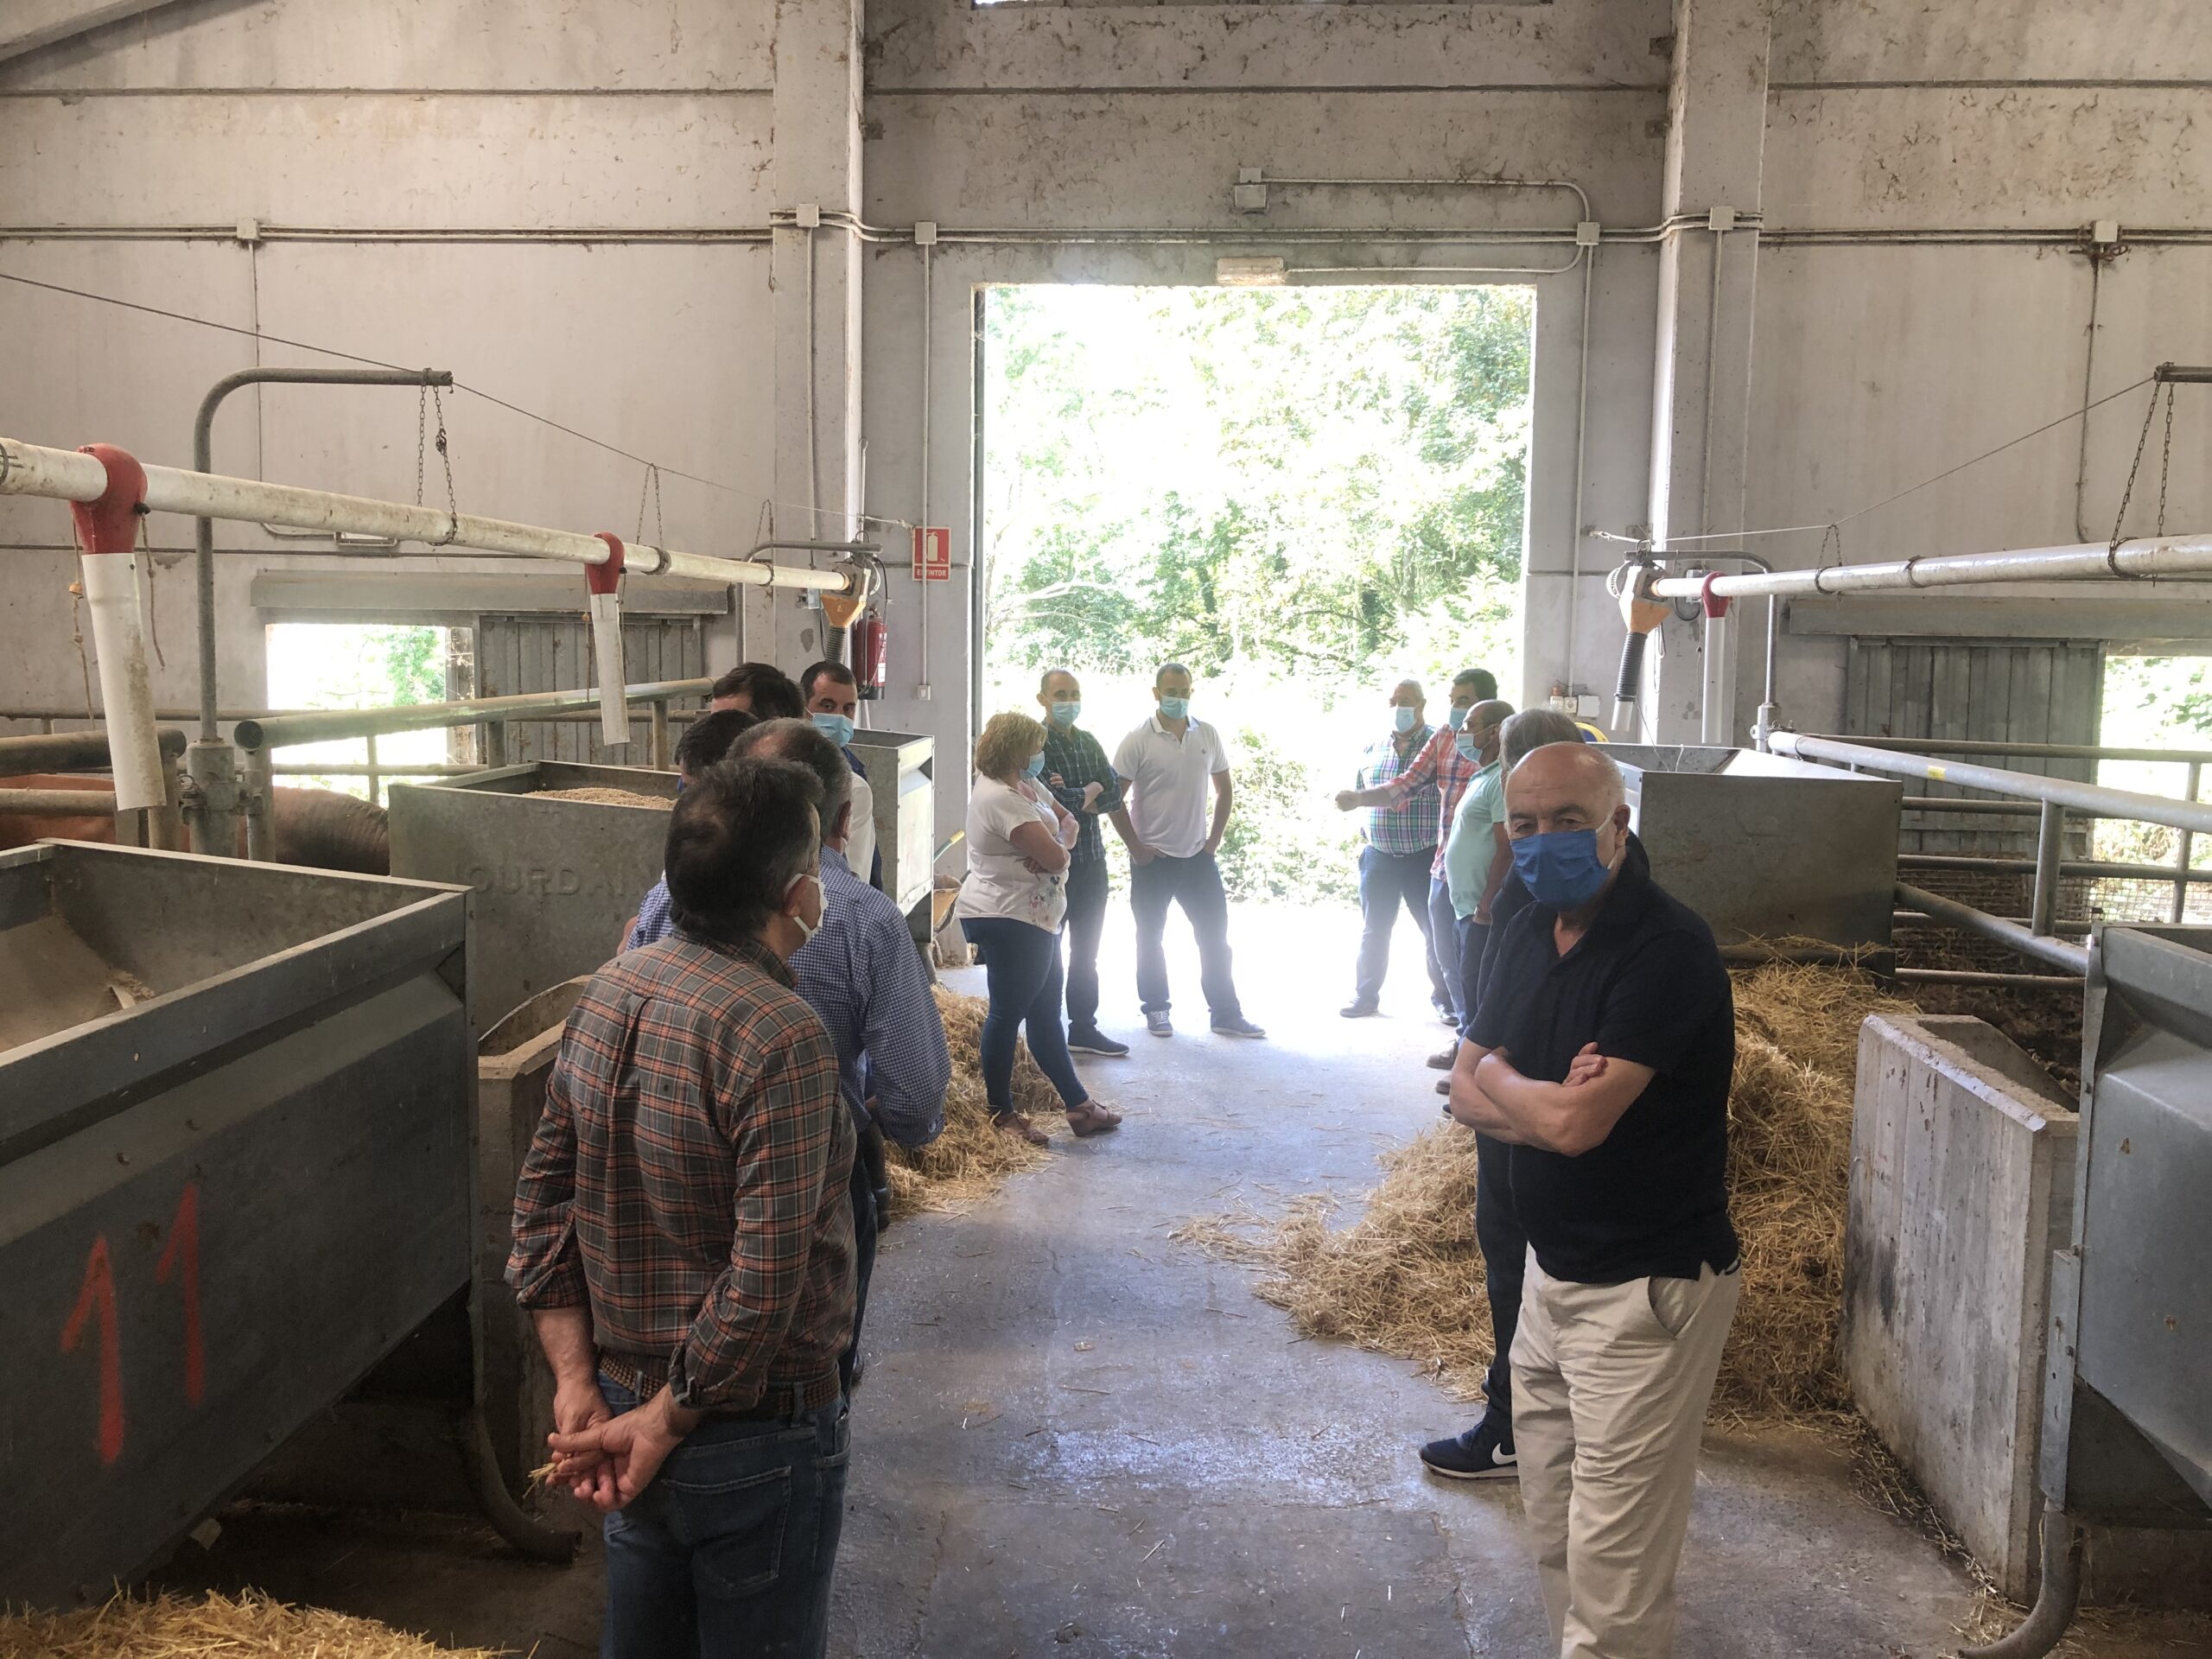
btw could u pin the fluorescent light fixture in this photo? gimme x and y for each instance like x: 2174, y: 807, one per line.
x: 1236, y: 271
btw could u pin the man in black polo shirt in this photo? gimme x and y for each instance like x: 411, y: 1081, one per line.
x: 1601, y: 1055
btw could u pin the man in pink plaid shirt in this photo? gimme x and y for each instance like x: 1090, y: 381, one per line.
x: 1440, y: 765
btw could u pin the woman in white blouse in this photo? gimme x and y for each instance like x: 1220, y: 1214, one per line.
x: 1012, y: 905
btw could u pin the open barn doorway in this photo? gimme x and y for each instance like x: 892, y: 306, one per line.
x: 1304, y: 493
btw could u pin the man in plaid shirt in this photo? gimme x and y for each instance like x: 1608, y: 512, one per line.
x: 683, y: 1239
x: 1082, y: 780
x: 1441, y: 766
x: 1394, y: 866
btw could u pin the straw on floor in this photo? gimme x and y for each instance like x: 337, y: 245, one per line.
x: 598, y: 795
x: 971, y: 1159
x: 253, y: 1626
x: 1406, y: 1278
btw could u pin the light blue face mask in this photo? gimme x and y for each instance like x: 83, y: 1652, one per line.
x: 1175, y: 708
x: 1404, y: 718
x: 1457, y: 718
x: 1561, y: 869
x: 1036, y: 767
x: 838, y: 728
x: 1065, y: 714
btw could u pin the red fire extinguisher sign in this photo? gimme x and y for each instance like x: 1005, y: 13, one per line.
x: 933, y: 554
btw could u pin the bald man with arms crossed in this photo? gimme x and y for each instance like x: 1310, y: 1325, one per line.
x: 1601, y: 1055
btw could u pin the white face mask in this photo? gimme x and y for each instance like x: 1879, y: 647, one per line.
x: 808, y: 930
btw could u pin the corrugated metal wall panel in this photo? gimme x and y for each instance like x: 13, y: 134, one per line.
x: 2022, y: 691
x: 515, y: 654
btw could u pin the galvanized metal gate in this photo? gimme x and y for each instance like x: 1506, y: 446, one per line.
x: 2024, y: 691
x: 518, y: 653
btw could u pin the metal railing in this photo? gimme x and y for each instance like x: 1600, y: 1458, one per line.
x: 2051, y: 800
x: 263, y: 733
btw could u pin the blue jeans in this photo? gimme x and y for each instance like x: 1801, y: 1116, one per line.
x: 728, y: 1554
x: 1443, y: 921
x: 1505, y: 1250
x: 1386, y: 882
x: 1021, y: 969
x: 1195, y: 884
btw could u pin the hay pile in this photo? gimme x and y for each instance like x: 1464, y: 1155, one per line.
x: 251, y: 1627
x: 1406, y: 1279
x: 599, y: 797
x: 971, y: 1159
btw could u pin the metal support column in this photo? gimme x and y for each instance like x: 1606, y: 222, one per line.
x: 2050, y: 843
x: 259, y: 805
x: 661, y: 761
x: 2187, y: 850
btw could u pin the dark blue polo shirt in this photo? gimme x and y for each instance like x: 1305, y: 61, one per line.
x: 1646, y: 983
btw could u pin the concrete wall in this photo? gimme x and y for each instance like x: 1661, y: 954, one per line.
x: 1961, y: 1185
x: 564, y: 204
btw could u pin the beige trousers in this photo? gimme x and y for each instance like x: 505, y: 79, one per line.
x: 1609, y: 1388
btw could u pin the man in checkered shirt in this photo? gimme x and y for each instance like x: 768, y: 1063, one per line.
x: 683, y: 1239
x: 1439, y: 765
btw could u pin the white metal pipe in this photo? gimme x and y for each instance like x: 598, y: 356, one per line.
x: 2058, y: 791
x: 62, y: 475
x: 2165, y: 556
x: 606, y: 649
x: 126, y: 685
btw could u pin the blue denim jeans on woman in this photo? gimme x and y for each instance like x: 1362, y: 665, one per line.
x: 1021, y: 970
x: 728, y: 1554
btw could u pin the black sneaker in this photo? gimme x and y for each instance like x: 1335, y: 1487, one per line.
x: 1360, y: 1010
x: 1445, y: 1013
x: 1158, y: 1024
x: 1237, y: 1026
x: 1484, y: 1452
x: 1089, y: 1040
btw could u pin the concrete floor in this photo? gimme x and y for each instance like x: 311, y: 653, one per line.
x: 1076, y: 1437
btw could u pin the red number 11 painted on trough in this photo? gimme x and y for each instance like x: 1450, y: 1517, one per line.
x: 181, y: 1261
x: 96, y: 1299
x: 97, y: 1295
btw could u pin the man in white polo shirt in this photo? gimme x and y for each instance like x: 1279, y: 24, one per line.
x: 1172, y: 766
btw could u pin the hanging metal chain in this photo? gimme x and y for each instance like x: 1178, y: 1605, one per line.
x: 153, y: 604
x: 2166, y: 460
x: 2150, y: 413
x: 651, y: 483
x: 431, y: 398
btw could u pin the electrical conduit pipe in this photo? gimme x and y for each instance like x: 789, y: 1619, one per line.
x: 107, y: 532
x: 605, y: 581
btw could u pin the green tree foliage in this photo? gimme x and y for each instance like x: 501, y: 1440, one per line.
x: 1308, y: 489
x: 414, y: 663
x: 1306, y: 478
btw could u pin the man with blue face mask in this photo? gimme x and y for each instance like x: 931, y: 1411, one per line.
x: 833, y: 698
x: 1440, y: 765
x: 1401, y: 849
x: 1082, y: 780
x: 1172, y: 766
x: 1601, y: 1055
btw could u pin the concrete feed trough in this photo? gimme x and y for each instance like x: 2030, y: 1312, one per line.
x: 234, y: 1173
x: 553, y: 880
x: 1767, y: 847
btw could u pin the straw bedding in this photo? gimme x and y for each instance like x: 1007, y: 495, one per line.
x: 251, y: 1627
x: 1406, y: 1278
x: 971, y: 1159
x: 599, y: 797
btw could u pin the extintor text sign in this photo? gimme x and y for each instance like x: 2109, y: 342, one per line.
x: 933, y: 554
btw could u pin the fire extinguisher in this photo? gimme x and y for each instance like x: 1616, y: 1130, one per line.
x: 871, y: 649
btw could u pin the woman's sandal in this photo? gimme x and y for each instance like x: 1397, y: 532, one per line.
x: 1090, y: 1118
x: 1018, y: 1124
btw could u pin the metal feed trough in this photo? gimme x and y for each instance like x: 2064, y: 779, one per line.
x: 2127, y: 1436
x: 235, y: 1113
x: 1765, y: 847
x: 553, y: 880
x: 901, y: 774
